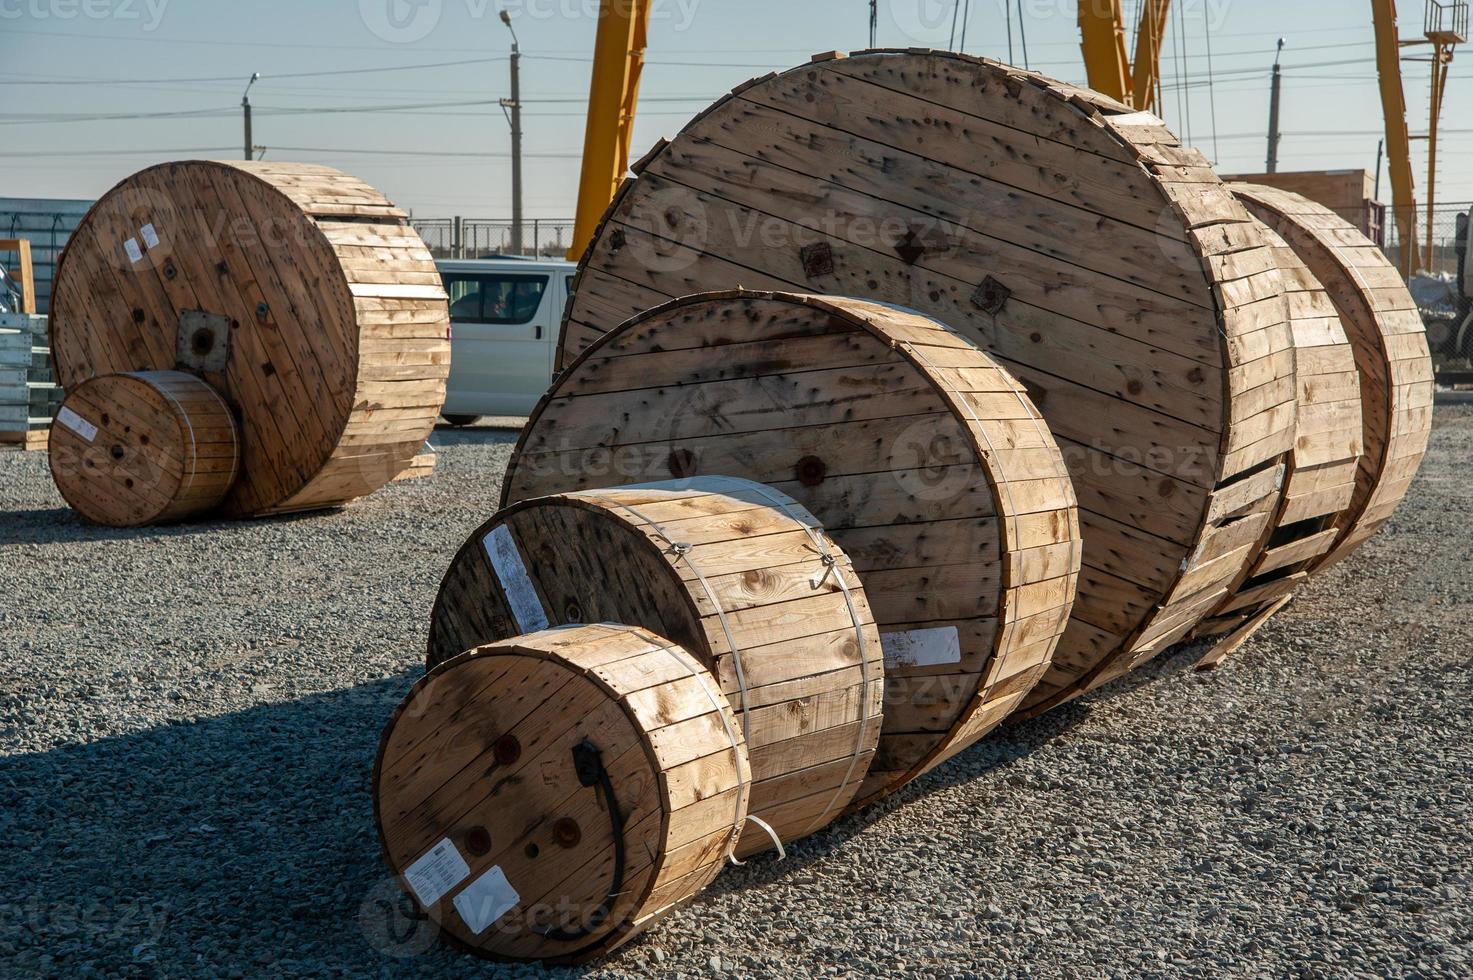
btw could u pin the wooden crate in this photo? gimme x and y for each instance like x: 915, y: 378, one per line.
x: 144, y: 448
x: 513, y: 852
x: 1391, y: 355
x: 298, y: 292
x: 926, y: 462
x: 1076, y: 240
x: 737, y: 573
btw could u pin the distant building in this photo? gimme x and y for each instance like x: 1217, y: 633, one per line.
x: 48, y: 224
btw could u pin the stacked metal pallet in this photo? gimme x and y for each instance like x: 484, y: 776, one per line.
x: 28, y: 396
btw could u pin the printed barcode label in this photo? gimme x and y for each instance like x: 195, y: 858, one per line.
x: 921, y: 648
x: 76, y: 423
x: 435, y: 873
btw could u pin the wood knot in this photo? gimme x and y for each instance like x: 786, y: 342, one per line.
x: 1166, y: 488
x: 1135, y: 387
x: 681, y: 464
x: 1196, y: 376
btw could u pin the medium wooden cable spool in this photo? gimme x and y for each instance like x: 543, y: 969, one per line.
x: 738, y: 574
x: 925, y: 461
x: 298, y: 292
x: 144, y: 448
x: 1328, y: 445
x: 1077, y: 241
x: 496, y: 822
x: 1390, y: 343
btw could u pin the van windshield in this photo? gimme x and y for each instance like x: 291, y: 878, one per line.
x: 494, y: 297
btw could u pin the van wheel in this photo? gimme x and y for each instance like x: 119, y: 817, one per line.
x: 460, y: 420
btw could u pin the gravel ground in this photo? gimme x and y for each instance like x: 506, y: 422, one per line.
x: 188, y: 718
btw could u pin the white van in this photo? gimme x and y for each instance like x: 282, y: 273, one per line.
x: 504, y: 320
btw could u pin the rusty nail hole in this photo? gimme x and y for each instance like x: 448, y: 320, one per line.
x: 567, y: 832
x: 137, y: 316
x: 810, y: 471
x: 682, y: 463
x: 478, y: 841
x: 532, y: 850
x: 222, y: 269
x: 507, y: 750
x: 117, y: 452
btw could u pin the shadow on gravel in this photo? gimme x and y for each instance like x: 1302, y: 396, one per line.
x: 245, y: 843
x: 62, y: 525
x: 242, y: 844
x: 476, y: 435
x: 988, y: 760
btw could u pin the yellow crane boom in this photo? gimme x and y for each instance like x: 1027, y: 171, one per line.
x: 618, y: 60
x: 1106, y: 60
x: 1398, y: 136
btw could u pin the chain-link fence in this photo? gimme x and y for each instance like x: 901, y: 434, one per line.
x: 476, y: 238
x: 1444, y: 254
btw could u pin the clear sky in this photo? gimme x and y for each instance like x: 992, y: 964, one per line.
x: 434, y: 139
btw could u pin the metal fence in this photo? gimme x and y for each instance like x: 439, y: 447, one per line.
x: 1444, y: 256
x: 475, y: 238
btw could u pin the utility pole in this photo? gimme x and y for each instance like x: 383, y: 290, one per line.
x: 874, y: 21
x: 1380, y: 159
x: 1273, y: 113
x: 245, y: 106
x: 513, y: 107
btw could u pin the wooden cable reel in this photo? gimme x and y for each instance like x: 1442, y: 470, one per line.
x: 1390, y: 344
x: 1328, y: 445
x: 738, y: 574
x: 550, y: 796
x: 922, y: 459
x: 144, y: 448
x: 299, y: 293
x: 1077, y: 241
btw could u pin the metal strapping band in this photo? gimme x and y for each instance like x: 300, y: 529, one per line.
x: 682, y: 551
x: 184, y: 414
x: 739, y: 819
x: 831, y: 567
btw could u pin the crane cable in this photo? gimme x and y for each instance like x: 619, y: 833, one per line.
x: 1023, y: 34
x: 1211, y: 83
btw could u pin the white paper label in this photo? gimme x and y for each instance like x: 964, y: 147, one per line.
x: 135, y: 254
x: 434, y: 874
x: 922, y: 648
x: 485, y: 900
x: 150, y: 237
x: 521, y: 595
x: 76, y: 423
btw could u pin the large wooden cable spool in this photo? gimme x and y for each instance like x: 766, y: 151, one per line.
x: 738, y: 574
x: 298, y: 292
x: 925, y: 461
x: 1390, y: 343
x: 1074, y: 239
x: 1328, y: 445
x: 550, y: 796
x: 144, y: 448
